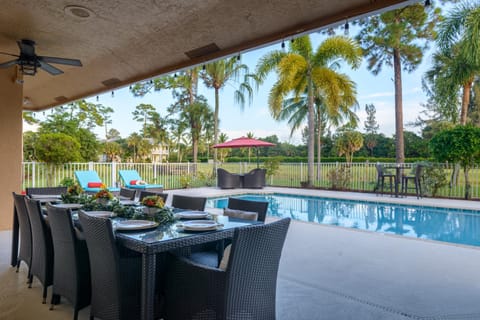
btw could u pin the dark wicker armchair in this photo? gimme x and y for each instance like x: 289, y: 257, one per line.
x: 42, y: 246
x: 246, y: 289
x: 115, y: 271
x: 187, y: 202
x: 227, y: 180
x: 71, y: 273
x: 255, y: 179
x: 25, y: 252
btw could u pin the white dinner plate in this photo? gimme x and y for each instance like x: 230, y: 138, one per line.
x: 69, y: 205
x: 191, y: 215
x: 128, y: 202
x: 199, y: 225
x: 135, y: 225
x: 100, y: 214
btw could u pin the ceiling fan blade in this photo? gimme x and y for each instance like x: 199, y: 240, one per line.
x: 10, y: 54
x: 70, y: 62
x: 49, y: 68
x: 8, y: 64
x: 26, y: 47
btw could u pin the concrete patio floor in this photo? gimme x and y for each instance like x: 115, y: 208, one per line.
x: 328, y: 272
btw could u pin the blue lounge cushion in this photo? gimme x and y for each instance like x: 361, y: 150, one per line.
x: 128, y: 176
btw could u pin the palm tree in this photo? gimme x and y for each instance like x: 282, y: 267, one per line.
x: 398, y: 38
x: 302, y: 70
x: 216, y: 75
x: 134, y: 141
x: 296, y: 110
x: 250, y: 135
x: 459, y: 56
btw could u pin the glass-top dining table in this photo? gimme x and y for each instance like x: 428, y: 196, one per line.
x: 166, y: 238
x: 149, y: 242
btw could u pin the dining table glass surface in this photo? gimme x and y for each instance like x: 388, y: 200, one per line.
x: 172, y: 231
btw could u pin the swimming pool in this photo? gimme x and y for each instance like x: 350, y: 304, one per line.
x: 441, y: 224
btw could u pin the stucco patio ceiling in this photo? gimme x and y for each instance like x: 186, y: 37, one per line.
x: 123, y: 41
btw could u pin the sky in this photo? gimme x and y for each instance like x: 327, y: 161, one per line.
x: 255, y: 118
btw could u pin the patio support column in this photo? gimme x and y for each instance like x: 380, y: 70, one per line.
x: 11, y: 97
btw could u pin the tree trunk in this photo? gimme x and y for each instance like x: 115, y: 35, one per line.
x: 195, y: 149
x: 215, y: 131
x: 465, y: 102
x: 319, y: 144
x: 467, y: 184
x: 311, y: 132
x: 399, y: 147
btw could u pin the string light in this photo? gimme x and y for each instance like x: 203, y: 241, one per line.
x: 97, y: 98
x: 428, y: 3
x: 113, y: 94
x: 283, y: 44
x: 346, y: 27
x: 203, y: 67
x: 130, y: 87
x: 292, y: 40
x: 238, y: 57
x: 175, y: 75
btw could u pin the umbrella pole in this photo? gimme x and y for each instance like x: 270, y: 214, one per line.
x: 257, y: 157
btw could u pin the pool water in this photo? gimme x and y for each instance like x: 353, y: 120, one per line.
x: 441, y: 224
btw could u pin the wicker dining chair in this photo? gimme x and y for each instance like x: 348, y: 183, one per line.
x: 260, y: 207
x: 212, y: 253
x: 25, y: 251
x: 245, y: 289
x: 115, y: 272
x: 46, y: 190
x: 144, y: 194
x: 128, y: 194
x: 42, y: 246
x: 71, y: 272
x: 188, y: 203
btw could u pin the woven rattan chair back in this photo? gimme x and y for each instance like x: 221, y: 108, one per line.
x: 71, y: 272
x: 126, y: 193
x: 252, y: 270
x: 46, y: 190
x: 25, y: 252
x: 186, y: 202
x: 259, y: 207
x: 115, y: 280
x: 42, y: 246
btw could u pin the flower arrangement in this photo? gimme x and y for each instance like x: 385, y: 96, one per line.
x: 74, y: 190
x: 74, y: 194
x: 103, y: 194
x: 153, y: 202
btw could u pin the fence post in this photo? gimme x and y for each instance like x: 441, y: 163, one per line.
x: 34, y: 183
x: 114, y: 174
x: 90, y: 165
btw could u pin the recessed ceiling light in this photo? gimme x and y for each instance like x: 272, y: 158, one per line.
x: 78, y: 12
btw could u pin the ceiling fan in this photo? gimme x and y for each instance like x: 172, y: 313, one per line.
x: 29, y: 61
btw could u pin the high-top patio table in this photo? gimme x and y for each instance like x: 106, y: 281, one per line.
x: 165, y: 238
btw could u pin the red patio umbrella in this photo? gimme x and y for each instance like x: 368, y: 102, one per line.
x: 244, y: 142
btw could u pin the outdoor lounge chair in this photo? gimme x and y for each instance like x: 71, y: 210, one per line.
x: 254, y: 179
x: 90, y: 181
x: 131, y: 177
x: 227, y: 180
